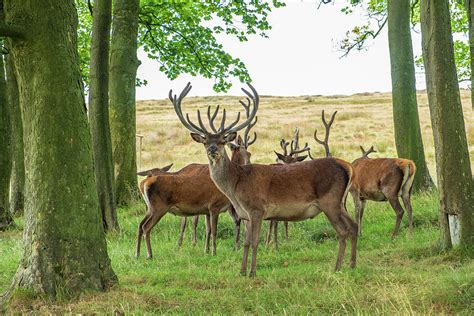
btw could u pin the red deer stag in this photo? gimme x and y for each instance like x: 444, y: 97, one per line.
x: 382, y: 179
x: 291, y: 192
x: 189, y: 192
x: 379, y: 179
x: 286, y: 158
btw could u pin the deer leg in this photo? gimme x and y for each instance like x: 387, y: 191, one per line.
x: 140, y: 234
x: 268, y: 239
x: 353, y: 231
x: 147, y: 227
x: 256, y: 226
x: 359, y: 211
x: 208, y: 233
x: 407, y: 204
x: 275, y: 233
x: 214, y: 220
x: 337, y: 221
x: 247, y: 237
x: 184, y: 221
x: 237, y: 233
x: 286, y: 230
x: 195, y: 225
x: 395, y: 203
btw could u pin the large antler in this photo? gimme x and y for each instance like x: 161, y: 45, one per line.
x: 247, y: 141
x: 201, y: 129
x: 327, y: 126
x: 366, y: 153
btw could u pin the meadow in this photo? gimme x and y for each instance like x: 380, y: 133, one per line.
x: 408, y: 275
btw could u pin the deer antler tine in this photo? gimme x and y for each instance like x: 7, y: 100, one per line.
x: 201, y: 123
x: 316, y: 137
x: 221, y: 128
x: 211, y: 119
x: 176, y: 101
x: 333, y: 116
x: 362, y: 149
x: 255, y: 99
x: 246, y: 133
x: 250, y: 142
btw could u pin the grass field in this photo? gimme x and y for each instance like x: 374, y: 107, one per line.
x: 408, y: 275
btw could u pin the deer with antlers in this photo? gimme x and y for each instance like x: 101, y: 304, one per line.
x: 190, y: 192
x: 258, y: 192
x: 286, y: 158
x: 379, y: 179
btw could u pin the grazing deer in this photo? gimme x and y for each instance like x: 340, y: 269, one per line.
x: 379, y: 179
x: 286, y: 158
x: 291, y: 192
x: 190, y: 192
x: 382, y: 179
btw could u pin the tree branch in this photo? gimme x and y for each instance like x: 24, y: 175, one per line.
x: 11, y: 31
x: 360, y: 42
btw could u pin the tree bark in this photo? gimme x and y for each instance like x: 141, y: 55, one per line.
x: 17, y: 181
x: 408, y: 138
x: 6, y: 220
x: 456, y: 188
x: 469, y: 4
x: 99, y: 112
x: 123, y: 71
x: 64, y: 241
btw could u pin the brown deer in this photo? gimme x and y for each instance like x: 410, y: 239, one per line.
x: 379, y: 179
x: 291, y: 192
x: 382, y: 179
x: 286, y: 158
x: 190, y: 192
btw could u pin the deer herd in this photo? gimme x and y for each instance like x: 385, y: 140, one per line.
x: 292, y: 189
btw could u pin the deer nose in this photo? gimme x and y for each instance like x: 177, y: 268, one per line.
x: 212, y: 149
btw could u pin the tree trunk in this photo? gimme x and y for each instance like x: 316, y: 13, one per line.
x: 405, y: 108
x: 17, y: 181
x: 99, y: 112
x: 469, y: 5
x: 123, y: 71
x: 6, y: 220
x: 64, y: 241
x: 456, y: 188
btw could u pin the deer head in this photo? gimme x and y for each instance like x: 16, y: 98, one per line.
x: 292, y: 157
x: 215, y: 139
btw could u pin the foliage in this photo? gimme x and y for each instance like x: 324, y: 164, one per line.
x: 404, y: 276
x: 182, y: 36
x: 361, y: 36
x: 84, y: 33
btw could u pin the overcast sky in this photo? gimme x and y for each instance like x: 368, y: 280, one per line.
x: 300, y: 57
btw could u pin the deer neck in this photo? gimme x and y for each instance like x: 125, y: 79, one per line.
x: 224, y: 173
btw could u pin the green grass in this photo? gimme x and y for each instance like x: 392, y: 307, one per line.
x: 404, y: 276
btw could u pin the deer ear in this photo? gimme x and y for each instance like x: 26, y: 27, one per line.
x: 280, y: 156
x: 301, y: 158
x: 239, y: 140
x: 198, y: 138
x: 230, y: 137
x: 168, y: 167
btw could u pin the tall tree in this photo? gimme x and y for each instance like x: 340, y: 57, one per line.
x: 17, y: 181
x: 123, y: 71
x: 456, y: 187
x: 99, y: 112
x: 64, y: 240
x: 6, y: 220
x: 406, y: 121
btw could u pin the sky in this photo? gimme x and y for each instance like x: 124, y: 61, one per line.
x: 300, y: 57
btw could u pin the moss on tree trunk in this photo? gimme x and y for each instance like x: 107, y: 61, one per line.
x: 99, y: 112
x: 123, y: 71
x: 64, y: 240
x: 17, y: 181
x: 456, y: 188
x: 405, y: 108
x: 6, y: 220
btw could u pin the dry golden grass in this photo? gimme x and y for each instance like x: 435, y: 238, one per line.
x: 363, y: 119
